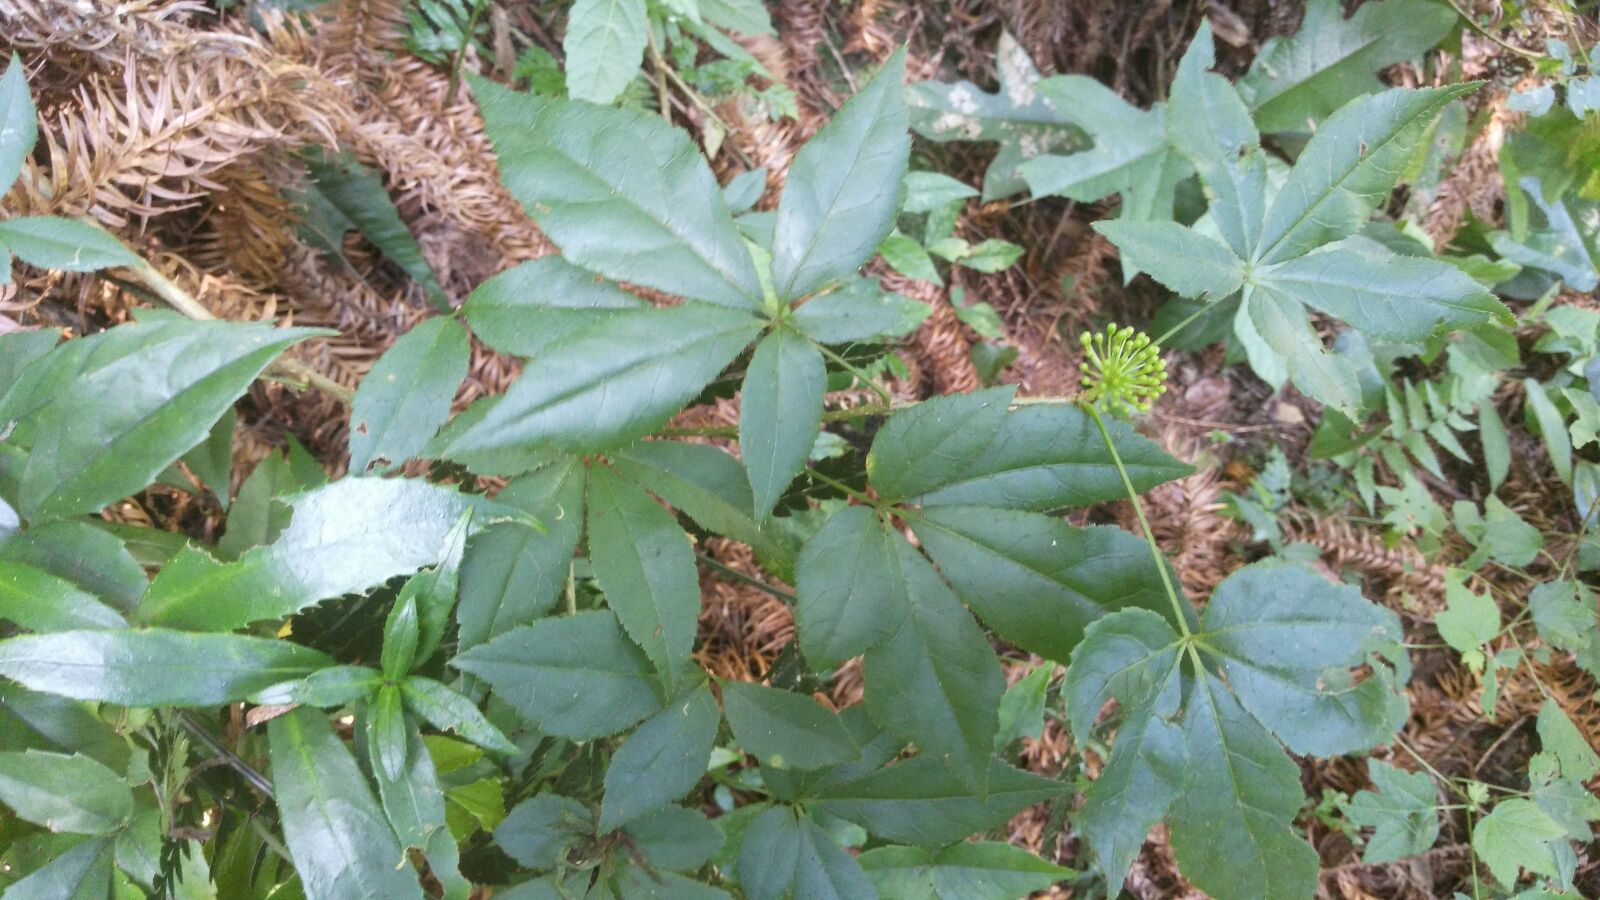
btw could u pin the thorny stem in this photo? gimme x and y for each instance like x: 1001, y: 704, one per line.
x: 861, y: 376
x: 185, y: 303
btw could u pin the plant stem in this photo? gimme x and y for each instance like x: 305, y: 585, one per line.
x: 741, y: 577
x: 455, y: 62
x: 1527, y: 54
x: 1187, y: 321
x: 663, y: 99
x: 850, y: 491
x: 228, y: 757
x: 861, y: 376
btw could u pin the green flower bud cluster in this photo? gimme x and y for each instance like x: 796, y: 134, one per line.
x: 1123, y: 371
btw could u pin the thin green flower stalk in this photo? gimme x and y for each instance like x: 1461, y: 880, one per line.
x: 1123, y: 372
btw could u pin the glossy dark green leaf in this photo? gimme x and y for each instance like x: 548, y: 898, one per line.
x: 613, y: 382
x: 1298, y: 80
x: 675, y: 838
x: 1052, y: 456
x: 38, y: 601
x: 254, y: 520
x: 604, y: 45
x: 577, y: 676
x: 406, y: 395
x: 1400, y: 812
x: 936, y: 682
x: 70, y: 245
x: 843, y: 188
x: 337, y: 835
x: 709, y: 486
x: 72, y: 794
x: 435, y: 590
x: 30, y: 720
x: 786, y: 854
x: 161, y: 384
x: 780, y: 412
x: 852, y: 595
x: 644, y: 562
x: 336, y: 686
x: 1037, y: 581
x: 935, y: 442
x: 211, y: 460
x: 538, y: 831
x: 920, y: 801
x: 21, y: 349
x: 784, y: 729
x: 526, y: 308
x: 513, y: 573
x: 662, y: 760
x: 346, y: 537
x: 78, y: 552
x: 1287, y: 638
x: 447, y: 710
x: 413, y: 800
x: 858, y: 311
x: 622, y: 193
x: 988, y: 870
x: 358, y: 194
x: 386, y: 734
x: 1231, y: 826
x: 19, y: 125
x: 154, y: 667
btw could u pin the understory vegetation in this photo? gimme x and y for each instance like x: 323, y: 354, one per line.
x: 714, y: 449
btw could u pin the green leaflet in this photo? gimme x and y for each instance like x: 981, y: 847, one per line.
x: 987, y: 870
x: 662, y: 760
x: 622, y: 193
x: 935, y: 681
x: 1018, y: 116
x: 512, y: 573
x: 786, y: 852
x: 852, y: 596
x: 154, y: 667
x: 161, y: 385
x: 858, y: 311
x: 604, y: 45
x: 337, y: 835
x: 1297, y: 81
x: 920, y: 801
x: 843, y: 188
x: 1400, y: 813
x: 66, y: 244
x: 19, y: 126
x: 1185, y: 261
x: 644, y: 563
x: 406, y: 395
x: 39, y: 601
x: 780, y: 412
x: 675, y: 838
x: 413, y: 802
x: 784, y: 729
x: 71, y: 794
x: 447, y: 710
x: 534, y: 304
x: 538, y: 831
x: 577, y: 676
x: 935, y: 442
x: 354, y: 197
x: 345, y: 537
x: 82, y: 873
x: 1210, y: 126
x: 254, y: 519
x: 615, y: 381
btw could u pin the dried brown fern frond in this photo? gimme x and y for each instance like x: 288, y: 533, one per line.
x: 1401, y: 568
x: 100, y: 34
x: 941, y: 340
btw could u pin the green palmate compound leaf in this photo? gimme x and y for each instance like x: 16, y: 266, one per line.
x: 406, y: 395
x: 786, y: 730
x: 1401, y: 813
x: 39, y: 601
x: 533, y: 304
x: 158, y: 388
x: 935, y: 442
x: 787, y: 854
x: 920, y: 801
x: 1210, y: 126
x: 622, y: 193
x: 577, y: 676
x: 356, y: 193
x: 843, y: 189
x: 662, y: 760
x: 341, y: 844
x: 1037, y: 581
x: 613, y: 382
x: 154, y: 667
x: 1295, y: 82
x: 709, y: 486
x: 644, y: 562
x: 604, y: 45
x: 936, y: 682
x: 348, y: 536
x: 1019, y: 116
x: 780, y: 412
x: 988, y: 870
x: 512, y: 573
x: 19, y: 124
x: 71, y: 794
x: 1183, y: 260
x: 66, y: 244
x: 852, y: 594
